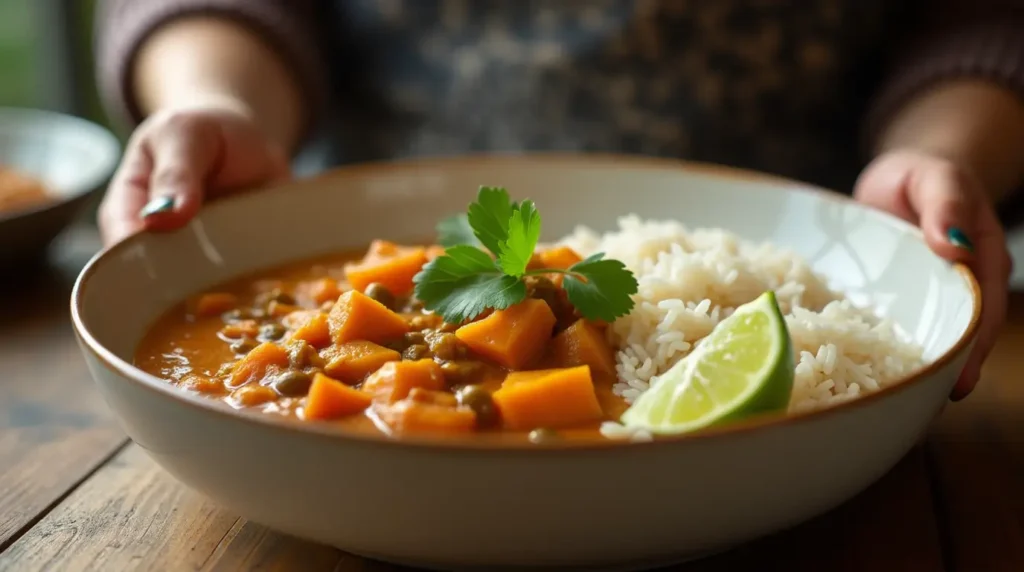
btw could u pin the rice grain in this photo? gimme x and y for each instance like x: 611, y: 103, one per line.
x: 690, y: 280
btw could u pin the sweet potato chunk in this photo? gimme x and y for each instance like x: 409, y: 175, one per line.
x: 434, y: 251
x: 241, y: 329
x: 331, y: 399
x: 432, y: 397
x: 215, y: 303
x: 202, y: 384
x: 356, y: 316
x: 514, y: 337
x: 351, y: 362
x: 535, y: 262
x: 257, y: 364
x: 560, y: 257
x: 396, y: 379
x: 553, y: 399
x: 389, y: 265
x: 420, y: 417
x: 298, y: 318
x: 252, y: 395
x: 279, y: 310
x: 315, y: 332
x: 583, y: 343
x: 324, y: 290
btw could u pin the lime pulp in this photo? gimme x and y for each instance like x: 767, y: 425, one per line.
x: 744, y: 367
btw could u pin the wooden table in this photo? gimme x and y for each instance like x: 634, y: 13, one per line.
x: 76, y: 494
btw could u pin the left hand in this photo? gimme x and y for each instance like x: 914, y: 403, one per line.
x: 956, y: 216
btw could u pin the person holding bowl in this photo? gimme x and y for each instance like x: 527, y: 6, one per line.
x: 914, y: 106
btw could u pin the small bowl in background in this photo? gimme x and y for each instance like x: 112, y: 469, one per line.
x: 71, y: 157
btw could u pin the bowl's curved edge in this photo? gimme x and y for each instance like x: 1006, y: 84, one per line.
x: 152, y: 383
x: 89, y: 187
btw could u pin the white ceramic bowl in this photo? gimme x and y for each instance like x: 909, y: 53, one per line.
x: 71, y: 156
x: 465, y: 505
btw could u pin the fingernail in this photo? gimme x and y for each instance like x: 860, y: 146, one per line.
x: 157, y: 205
x: 958, y: 239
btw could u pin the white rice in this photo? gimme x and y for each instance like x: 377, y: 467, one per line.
x: 689, y: 280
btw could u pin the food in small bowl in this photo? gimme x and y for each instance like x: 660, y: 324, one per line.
x: 20, y: 192
x: 50, y: 164
x: 462, y: 401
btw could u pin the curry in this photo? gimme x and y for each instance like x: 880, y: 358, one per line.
x: 344, y: 340
x: 20, y: 192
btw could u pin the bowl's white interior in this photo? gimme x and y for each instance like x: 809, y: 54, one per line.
x: 71, y: 156
x: 861, y: 251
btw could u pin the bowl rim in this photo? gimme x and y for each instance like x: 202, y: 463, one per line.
x: 475, y: 444
x: 81, y: 189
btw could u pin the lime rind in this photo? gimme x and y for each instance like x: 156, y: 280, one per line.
x: 683, y: 389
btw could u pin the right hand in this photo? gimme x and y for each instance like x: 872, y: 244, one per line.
x: 177, y: 158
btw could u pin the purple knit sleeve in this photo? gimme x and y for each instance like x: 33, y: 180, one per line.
x: 123, y: 25
x: 981, y: 39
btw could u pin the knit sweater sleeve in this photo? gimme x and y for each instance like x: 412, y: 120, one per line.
x: 122, y: 26
x: 953, y: 39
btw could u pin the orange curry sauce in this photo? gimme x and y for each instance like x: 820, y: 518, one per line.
x: 240, y: 343
x: 19, y: 192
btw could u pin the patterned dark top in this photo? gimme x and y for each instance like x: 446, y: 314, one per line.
x: 780, y: 86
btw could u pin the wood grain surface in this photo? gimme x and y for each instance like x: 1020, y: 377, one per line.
x: 130, y: 515
x: 54, y: 428
x: 76, y: 495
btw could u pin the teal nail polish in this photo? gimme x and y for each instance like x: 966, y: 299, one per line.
x: 157, y: 205
x: 958, y: 239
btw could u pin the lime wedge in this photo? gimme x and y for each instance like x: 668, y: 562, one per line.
x: 745, y: 366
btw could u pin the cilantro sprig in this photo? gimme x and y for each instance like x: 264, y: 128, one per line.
x: 467, y: 280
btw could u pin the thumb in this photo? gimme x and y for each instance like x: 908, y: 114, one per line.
x: 183, y: 154
x: 941, y: 195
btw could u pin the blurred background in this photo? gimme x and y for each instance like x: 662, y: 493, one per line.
x: 46, y: 56
x: 46, y: 63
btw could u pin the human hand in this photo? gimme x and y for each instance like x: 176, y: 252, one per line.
x: 955, y: 214
x: 178, y: 158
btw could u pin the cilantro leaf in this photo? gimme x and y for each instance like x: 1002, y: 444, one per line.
x: 466, y: 281
x: 455, y: 230
x: 457, y: 262
x: 523, y: 233
x: 605, y: 290
x: 463, y: 283
x: 489, y: 217
x: 471, y: 296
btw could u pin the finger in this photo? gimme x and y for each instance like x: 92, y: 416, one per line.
x: 183, y: 154
x: 944, y: 199
x: 247, y: 161
x: 126, y: 195
x: 992, y: 266
x: 877, y: 186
